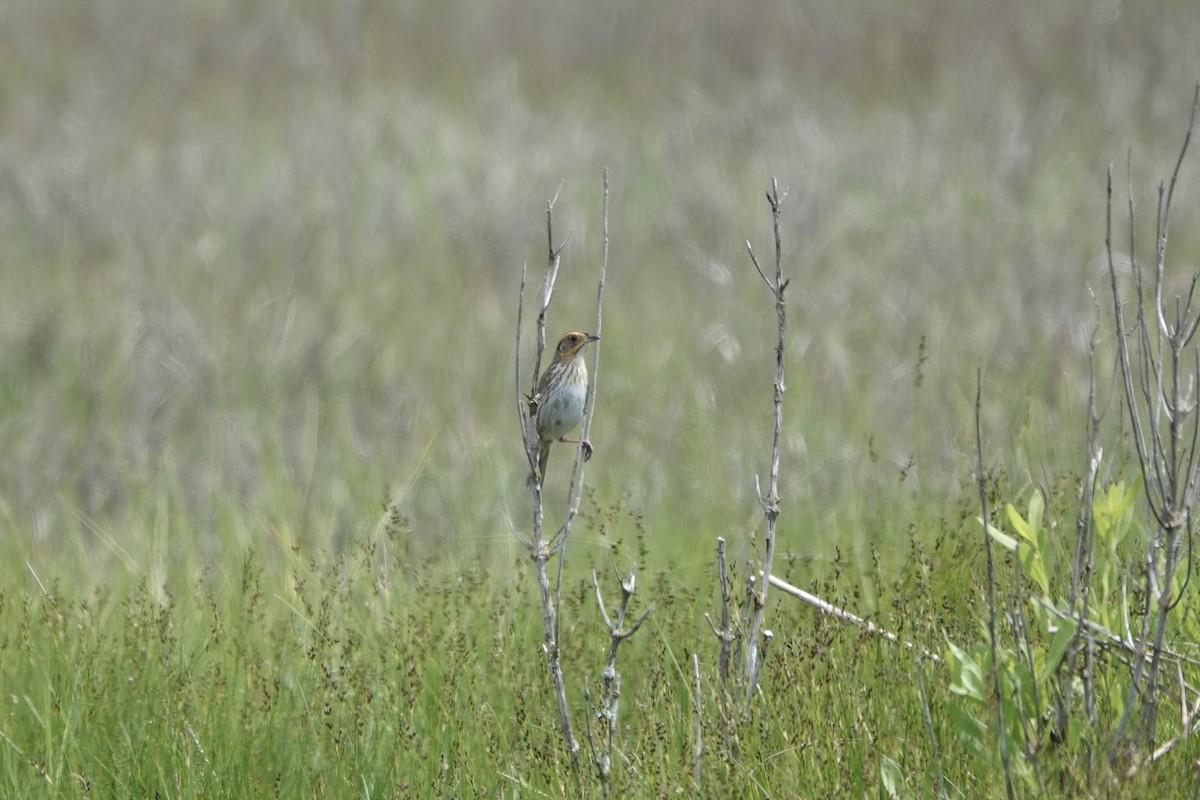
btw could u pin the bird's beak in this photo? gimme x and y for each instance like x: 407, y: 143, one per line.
x: 591, y: 337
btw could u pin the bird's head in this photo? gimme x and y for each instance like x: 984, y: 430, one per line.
x: 571, y: 343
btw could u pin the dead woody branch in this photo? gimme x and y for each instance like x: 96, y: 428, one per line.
x: 541, y: 547
x: 1159, y: 372
x: 610, y: 693
x: 755, y: 649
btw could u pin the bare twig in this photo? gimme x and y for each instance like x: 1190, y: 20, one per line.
x: 610, y: 695
x: 1160, y: 397
x: 528, y: 432
x: 768, y: 636
x: 541, y: 547
x: 761, y: 274
x: 537, y: 546
x: 548, y: 282
x: 584, y: 451
x: 602, y: 755
x: 726, y: 634
x: 845, y: 616
x: 1180, y: 460
x: 770, y: 501
x: 590, y: 403
x: 1110, y: 639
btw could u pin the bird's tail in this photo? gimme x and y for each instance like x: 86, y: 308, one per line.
x: 543, y: 457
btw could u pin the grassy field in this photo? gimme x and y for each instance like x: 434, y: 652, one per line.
x: 260, y: 467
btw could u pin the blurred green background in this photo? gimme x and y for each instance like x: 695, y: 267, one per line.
x: 260, y: 466
x: 260, y: 258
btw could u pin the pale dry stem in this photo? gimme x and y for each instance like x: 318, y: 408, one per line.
x: 755, y: 651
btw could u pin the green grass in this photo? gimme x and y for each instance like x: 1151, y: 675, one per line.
x: 258, y: 273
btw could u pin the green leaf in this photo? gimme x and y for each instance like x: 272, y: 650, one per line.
x: 971, y: 732
x: 890, y: 776
x: 1041, y: 618
x: 1000, y: 537
x: 1022, y: 703
x: 1019, y: 525
x: 1112, y: 512
x: 1033, y: 567
x: 1037, y: 507
x: 966, y: 675
x: 1030, y: 548
x: 1058, y: 648
x: 1041, y: 532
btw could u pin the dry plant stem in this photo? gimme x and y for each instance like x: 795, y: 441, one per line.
x: 583, y: 452
x: 846, y: 616
x: 981, y: 481
x: 617, y: 632
x: 576, y: 489
x: 602, y: 761
x: 540, y: 547
x: 767, y: 637
x: 601, y: 757
x: 610, y: 696
x: 725, y: 634
x: 537, y: 546
x: 1159, y: 407
x: 1180, y: 484
x: 769, y: 501
x: 548, y: 282
x: 550, y: 620
x: 1109, y: 639
x: 748, y: 599
x: 528, y: 429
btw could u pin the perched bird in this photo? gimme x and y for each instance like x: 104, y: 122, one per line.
x: 561, y: 392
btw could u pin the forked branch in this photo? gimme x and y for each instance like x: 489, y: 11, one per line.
x: 1160, y: 382
x: 541, y: 550
x: 770, y: 500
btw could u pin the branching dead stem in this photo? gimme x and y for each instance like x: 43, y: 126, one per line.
x: 755, y: 649
x: 540, y: 547
x: 1159, y: 380
x: 610, y: 693
x: 727, y: 634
